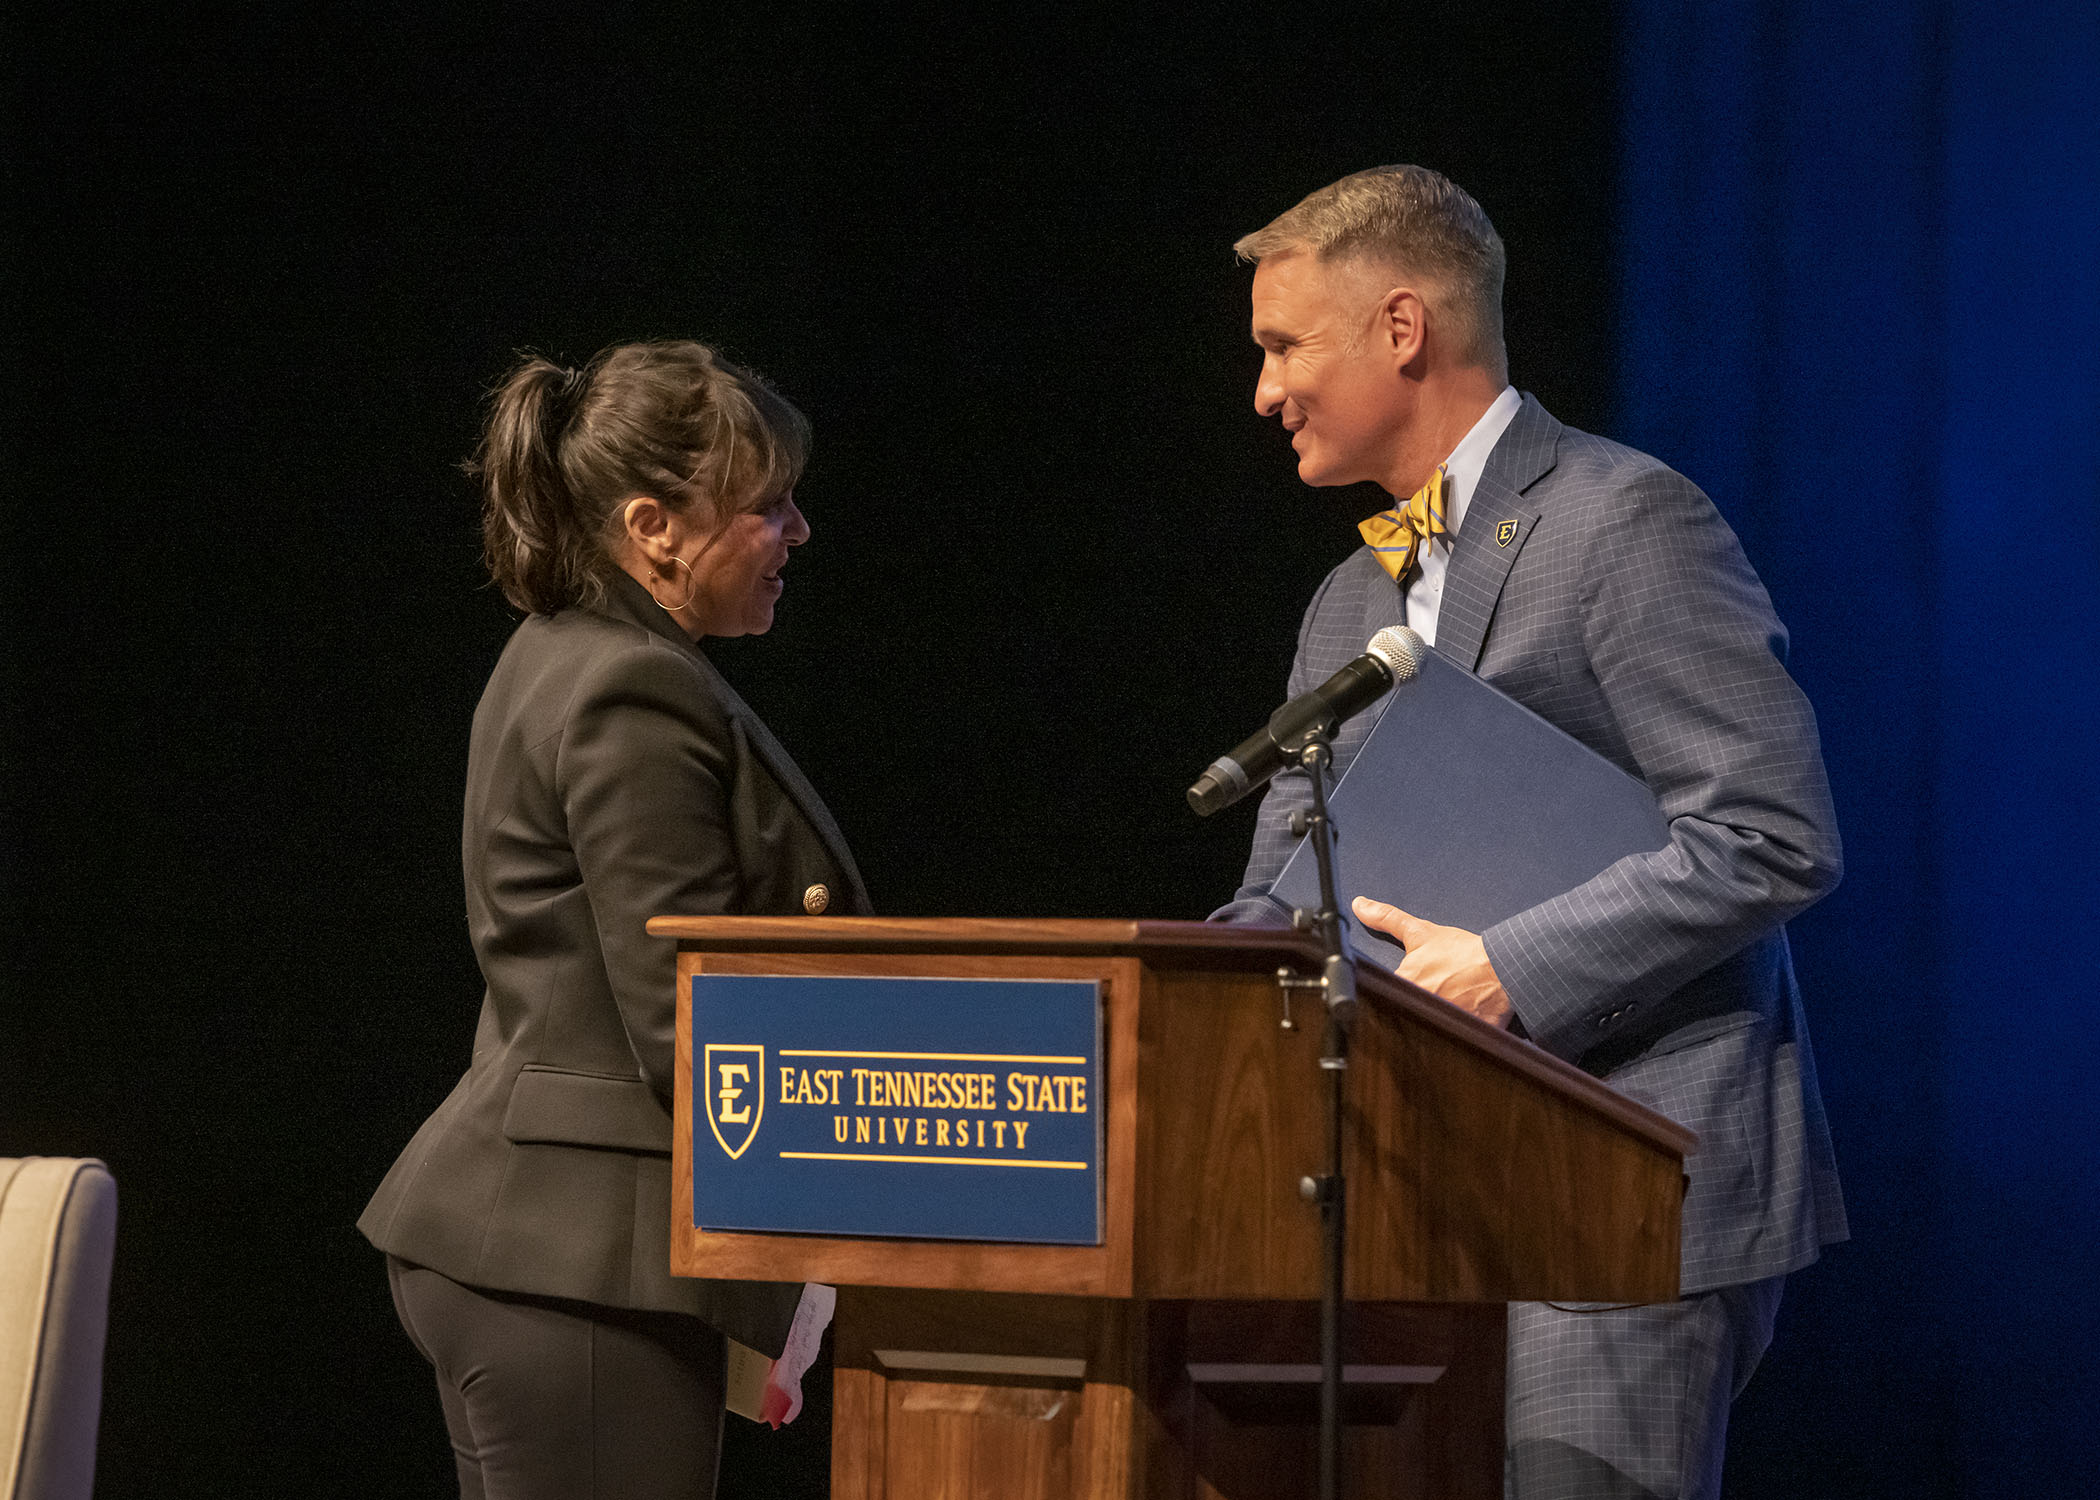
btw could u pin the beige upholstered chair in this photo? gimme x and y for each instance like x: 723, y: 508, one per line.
x: 58, y: 1230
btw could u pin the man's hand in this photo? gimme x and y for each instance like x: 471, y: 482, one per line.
x: 1449, y: 962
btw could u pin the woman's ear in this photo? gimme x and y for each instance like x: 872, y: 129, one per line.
x: 650, y: 527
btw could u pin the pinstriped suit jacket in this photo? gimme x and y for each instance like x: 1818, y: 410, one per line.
x: 1623, y: 610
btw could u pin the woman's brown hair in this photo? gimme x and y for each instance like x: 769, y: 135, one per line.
x: 563, y: 450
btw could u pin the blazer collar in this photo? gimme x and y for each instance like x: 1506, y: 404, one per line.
x: 1497, y: 524
x: 627, y: 600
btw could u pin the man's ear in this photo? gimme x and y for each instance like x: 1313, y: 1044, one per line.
x: 1403, y: 325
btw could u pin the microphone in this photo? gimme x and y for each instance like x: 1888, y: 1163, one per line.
x: 1393, y: 656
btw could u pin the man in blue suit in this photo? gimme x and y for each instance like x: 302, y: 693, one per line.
x: 1604, y: 592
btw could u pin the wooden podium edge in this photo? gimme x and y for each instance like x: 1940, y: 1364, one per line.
x: 1167, y: 943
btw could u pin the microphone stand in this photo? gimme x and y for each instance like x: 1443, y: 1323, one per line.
x: 1338, y: 982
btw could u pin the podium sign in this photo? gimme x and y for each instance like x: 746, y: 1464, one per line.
x: 959, y: 1109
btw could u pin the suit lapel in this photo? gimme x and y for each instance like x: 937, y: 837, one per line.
x: 1385, y: 603
x: 628, y: 600
x: 1496, y: 526
x: 792, y: 781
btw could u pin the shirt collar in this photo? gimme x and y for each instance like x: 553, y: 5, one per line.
x: 1462, y: 470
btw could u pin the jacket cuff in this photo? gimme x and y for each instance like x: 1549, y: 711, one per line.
x: 1558, y: 1014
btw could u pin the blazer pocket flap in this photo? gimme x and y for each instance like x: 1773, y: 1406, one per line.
x: 552, y: 1107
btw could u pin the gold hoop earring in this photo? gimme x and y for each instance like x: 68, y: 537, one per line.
x: 692, y: 587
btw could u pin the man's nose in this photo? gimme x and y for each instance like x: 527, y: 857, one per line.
x: 1268, y: 389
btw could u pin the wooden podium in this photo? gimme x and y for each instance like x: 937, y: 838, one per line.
x: 1178, y: 1358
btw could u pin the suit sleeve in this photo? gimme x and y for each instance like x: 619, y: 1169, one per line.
x: 644, y: 774
x: 1690, y: 658
x: 1289, y: 791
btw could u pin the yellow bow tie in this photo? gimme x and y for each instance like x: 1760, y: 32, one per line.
x: 1398, y: 535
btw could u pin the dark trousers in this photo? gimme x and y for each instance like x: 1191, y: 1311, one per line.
x: 553, y: 1400
x: 1630, y: 1403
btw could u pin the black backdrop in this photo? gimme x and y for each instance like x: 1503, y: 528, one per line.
x: 263, y: 262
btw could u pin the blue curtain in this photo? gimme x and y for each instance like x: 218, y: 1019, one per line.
x: 1859, y: 302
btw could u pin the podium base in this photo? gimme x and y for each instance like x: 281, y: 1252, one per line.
x: 957, y: 1396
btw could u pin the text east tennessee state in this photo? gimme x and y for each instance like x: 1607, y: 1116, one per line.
x: 1024, y: 1093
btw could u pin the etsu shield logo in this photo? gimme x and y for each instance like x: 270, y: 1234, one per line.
x: 734, y: 1094
x: 1505, y: 533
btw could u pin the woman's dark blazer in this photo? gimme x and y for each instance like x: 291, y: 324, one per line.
x: 612, y: 776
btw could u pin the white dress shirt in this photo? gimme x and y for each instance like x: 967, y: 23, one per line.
x: 1462, y: 471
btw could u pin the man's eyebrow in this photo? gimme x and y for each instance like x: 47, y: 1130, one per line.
x: 1268, y: 336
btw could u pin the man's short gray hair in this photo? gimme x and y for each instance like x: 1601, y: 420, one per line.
x: 1413, y: 221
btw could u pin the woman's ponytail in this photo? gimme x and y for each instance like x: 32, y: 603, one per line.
x: 528, y: 516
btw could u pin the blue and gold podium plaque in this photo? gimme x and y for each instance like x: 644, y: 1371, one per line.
x: 932, y: 1108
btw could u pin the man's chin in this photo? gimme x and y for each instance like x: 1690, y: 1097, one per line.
x: 1311, y: 471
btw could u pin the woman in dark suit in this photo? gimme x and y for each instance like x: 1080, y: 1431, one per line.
x: 633, y: 508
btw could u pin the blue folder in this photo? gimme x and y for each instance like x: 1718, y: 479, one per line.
x: 1465, y: 807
